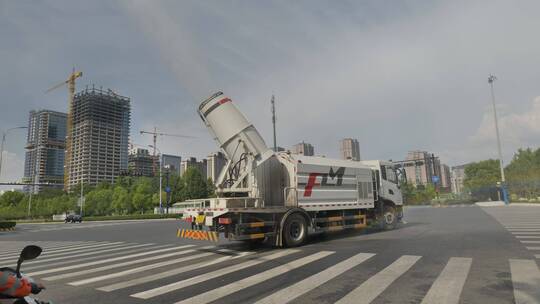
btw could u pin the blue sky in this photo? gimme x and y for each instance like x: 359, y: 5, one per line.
x: 396, y: 75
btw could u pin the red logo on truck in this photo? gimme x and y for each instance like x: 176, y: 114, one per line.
x: 310, y: 184
x: 312, y: 180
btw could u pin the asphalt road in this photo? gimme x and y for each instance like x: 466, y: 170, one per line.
x: 463, y: 254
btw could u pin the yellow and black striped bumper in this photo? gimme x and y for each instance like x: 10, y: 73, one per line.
x: 211, y: 236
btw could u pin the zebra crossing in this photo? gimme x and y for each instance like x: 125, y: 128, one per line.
x: 168, y: 273
x: 523, y: 222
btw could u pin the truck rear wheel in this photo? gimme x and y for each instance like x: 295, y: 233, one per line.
x: 294, y: 230
x: 389, y: 218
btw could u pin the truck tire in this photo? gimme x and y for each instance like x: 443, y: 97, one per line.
x: 294, y: 230
x: 389, y: 218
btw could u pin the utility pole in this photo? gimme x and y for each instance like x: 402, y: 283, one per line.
x: 33, y: 188
x: 82, y: 198
x: 492, y: 79
x: 168, y: 189
x: 274, y: 121
x: 160, y: 179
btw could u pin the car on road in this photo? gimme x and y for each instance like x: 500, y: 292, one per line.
x: 73, y: 218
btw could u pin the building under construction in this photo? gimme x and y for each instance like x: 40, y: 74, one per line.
x: 100, y: 132
x: 141, y: 163
x: 45, y: 144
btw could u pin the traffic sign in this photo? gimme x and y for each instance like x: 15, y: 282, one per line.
x: 168, y: 189
x: 435, y: 179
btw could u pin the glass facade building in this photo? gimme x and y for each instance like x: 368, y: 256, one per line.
x: 45, y: 145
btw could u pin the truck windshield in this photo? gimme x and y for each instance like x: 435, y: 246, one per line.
x: 391, y: 175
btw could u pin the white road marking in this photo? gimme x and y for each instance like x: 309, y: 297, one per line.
x: 101, y: 261
x: 169, y: 273
x: 294, y: 291
x: 139, y: 269
x: 530, y: 242
x: 210, y: 275
x: 40, y: 261
x: 223, y: 291
x: 527, y: 233
x: 51, y: 253
x: 448, y: 286
x: 527, y: 237
x: 107, y: 267
x: 374, y: 286
x: 524, y: 229
x: 533, y: 248
x: 98, y: 258
x: 50, y: 246
x: 526, y: 280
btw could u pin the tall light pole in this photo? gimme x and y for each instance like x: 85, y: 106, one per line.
x: 81, y: 198
x: 274, y: 121
x: 4, y: 134
x: 492, y: 79
x: 160, y: 180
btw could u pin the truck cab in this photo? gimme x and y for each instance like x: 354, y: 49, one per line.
x: 386, y: 180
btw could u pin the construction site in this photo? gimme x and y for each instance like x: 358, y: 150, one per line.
x: 99, y: 136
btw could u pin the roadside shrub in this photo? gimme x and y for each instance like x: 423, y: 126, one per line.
x: 130, y: 217
x: 7, y: 225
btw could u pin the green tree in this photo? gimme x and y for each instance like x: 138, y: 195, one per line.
x: 142, y: 197
x: 195, y: 184
x: 121, y: 200
x: 523, y: 174
x: 481, y: 179
x: 210, y: 188
x: 178, y: 193
x: 11, y: 198
x: 98, y: 202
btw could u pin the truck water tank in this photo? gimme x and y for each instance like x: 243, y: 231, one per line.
x: 229, y: 127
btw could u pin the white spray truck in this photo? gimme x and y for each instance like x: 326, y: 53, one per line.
x: 284, y: 197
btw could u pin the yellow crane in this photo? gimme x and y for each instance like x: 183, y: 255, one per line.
x: 70, y: 82
x: 155, y: 134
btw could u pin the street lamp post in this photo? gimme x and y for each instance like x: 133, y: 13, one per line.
x: 4, y: 134
x: 492, y: 79
x: 160, y: 180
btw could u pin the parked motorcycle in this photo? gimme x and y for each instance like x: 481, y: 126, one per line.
x: 28, y: 253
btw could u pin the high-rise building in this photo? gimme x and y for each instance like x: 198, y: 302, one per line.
x: 45, y: 145
x: 193, y: 163
x: 140, y: 162
x: 446, y: 182
x: 421, y: 167
x: 350, y: 149
x: 216, y: 162
x: 304, y: 149
x: 457, y: 177
x: 172, y: 163
x: 100, y: 134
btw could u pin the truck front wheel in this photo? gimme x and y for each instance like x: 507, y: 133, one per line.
x: 294, y: 230
x: 389, y: 218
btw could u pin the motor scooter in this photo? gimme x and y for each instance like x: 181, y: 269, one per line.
x: 29, y: 252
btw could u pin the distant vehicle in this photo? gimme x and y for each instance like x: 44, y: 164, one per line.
x: 283, y: 197
x: 73, y: 218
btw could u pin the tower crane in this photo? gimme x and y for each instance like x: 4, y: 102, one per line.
x: 70, y: 82
x: 155, y: 134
